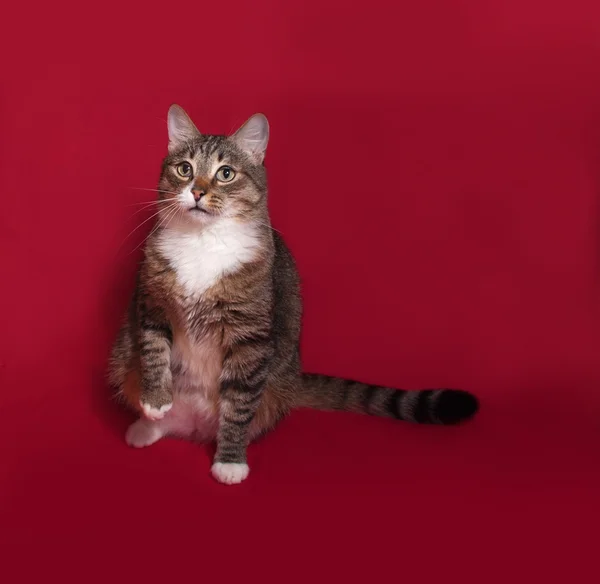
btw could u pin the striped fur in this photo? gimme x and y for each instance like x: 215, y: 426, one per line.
x: 209, y: 347
x: 439, y: 406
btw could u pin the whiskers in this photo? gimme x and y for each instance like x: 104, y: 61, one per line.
x: 165, y: 210
x: 268, y: 225
x: 170, y: 214
x: 259, y: 222
x: 154, y: 190
x: 169, y: 208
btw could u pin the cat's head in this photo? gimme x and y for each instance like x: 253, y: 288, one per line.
x: 205, y: 177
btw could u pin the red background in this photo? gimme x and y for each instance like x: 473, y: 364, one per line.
x: 435, y: 168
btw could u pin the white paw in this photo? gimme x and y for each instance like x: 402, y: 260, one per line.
x: 230, y: 473
x: 142, y: 433
x: 155, y: 413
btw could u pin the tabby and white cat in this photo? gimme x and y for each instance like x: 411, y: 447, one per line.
x: 209, y: 347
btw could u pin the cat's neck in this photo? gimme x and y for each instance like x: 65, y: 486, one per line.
x: 200, y: 257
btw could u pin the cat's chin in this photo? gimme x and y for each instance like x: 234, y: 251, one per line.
x: 199, y: 216
x: 198, y: 211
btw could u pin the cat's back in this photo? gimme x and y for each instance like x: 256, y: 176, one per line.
x: 284, y: 267
x: 287, y: 313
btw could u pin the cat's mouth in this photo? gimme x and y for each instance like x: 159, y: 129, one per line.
x: 198, y: 210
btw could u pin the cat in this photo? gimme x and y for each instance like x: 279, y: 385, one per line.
x: 209, y: 349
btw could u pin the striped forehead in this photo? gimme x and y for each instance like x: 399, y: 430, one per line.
x: 209, y: 155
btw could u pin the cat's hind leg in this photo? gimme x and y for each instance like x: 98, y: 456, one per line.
x: 145, y: 432
x: 178, y: 421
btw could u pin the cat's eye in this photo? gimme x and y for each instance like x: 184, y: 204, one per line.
x: 184, y: 169
x: 225, y: 174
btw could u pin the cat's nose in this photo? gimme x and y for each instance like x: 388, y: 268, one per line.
x: 198, y: 194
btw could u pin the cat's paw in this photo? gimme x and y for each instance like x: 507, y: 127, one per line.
x: 230, y: 473
x: 142, y: 433
x: 155, y: 413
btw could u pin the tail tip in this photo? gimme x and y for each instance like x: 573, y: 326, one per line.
x: 456, y: 405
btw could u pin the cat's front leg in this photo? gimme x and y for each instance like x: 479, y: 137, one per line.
x: 156, y: 384
x: 245, y: 370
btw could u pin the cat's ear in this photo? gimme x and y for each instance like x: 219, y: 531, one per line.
x: 253, y: 137
x: 181, y: 128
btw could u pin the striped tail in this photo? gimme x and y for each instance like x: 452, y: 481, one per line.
x: 428, y: 406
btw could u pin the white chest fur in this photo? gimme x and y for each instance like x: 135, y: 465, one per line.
x: 201, y: 257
